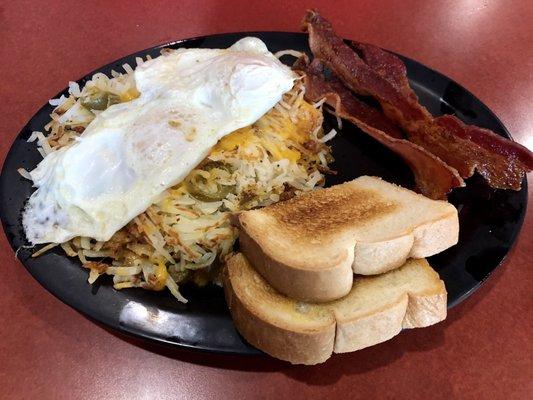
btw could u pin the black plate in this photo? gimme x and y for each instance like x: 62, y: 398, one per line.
x: 490, y: 220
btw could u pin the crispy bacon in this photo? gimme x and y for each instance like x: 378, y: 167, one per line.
x: 368, y: 70
x: 353, y: 71
x: 374, y: 117
x: 386, y: 65
x: 362, y: 111
x: 433, y: 177
x: 502, y: 167
x: 393, y: 70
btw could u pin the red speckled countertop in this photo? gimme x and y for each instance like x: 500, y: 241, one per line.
x: 483, y: 350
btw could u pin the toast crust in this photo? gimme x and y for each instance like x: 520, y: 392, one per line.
x: 411, y: 309
x: 376, y: 309
x: 287, y: 344
x: 300, y: 283
x: 303, y: 246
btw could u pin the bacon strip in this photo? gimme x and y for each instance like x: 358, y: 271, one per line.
x: 354, y: 72
x: 391, y: 68
x: 467, y: 148
x: 362, y: 111
x: 433, y: 177
x: 452, y: 140
x: 387, y: 65
x: 374, y: 117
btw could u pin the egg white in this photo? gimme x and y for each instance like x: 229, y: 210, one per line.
x: 132, y: 152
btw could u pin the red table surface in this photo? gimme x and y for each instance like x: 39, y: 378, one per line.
x: 483, y: 350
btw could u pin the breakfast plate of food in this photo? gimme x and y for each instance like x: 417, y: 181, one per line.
x: 313, y: 194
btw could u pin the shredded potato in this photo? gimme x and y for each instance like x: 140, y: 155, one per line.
x: 185, y: 236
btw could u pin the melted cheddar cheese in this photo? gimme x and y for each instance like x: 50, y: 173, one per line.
x: 281, y: 133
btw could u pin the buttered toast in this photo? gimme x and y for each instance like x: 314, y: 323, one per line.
x: 375, y: 310
x: 309, y: 247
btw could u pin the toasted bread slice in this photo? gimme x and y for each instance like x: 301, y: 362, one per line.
x: 375, y: 310
x: 309, y: 247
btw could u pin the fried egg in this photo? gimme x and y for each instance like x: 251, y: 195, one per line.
x: 132, y: 152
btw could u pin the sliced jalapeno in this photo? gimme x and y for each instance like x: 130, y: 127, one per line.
x: 197, y: 191
x: 100, y: 100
